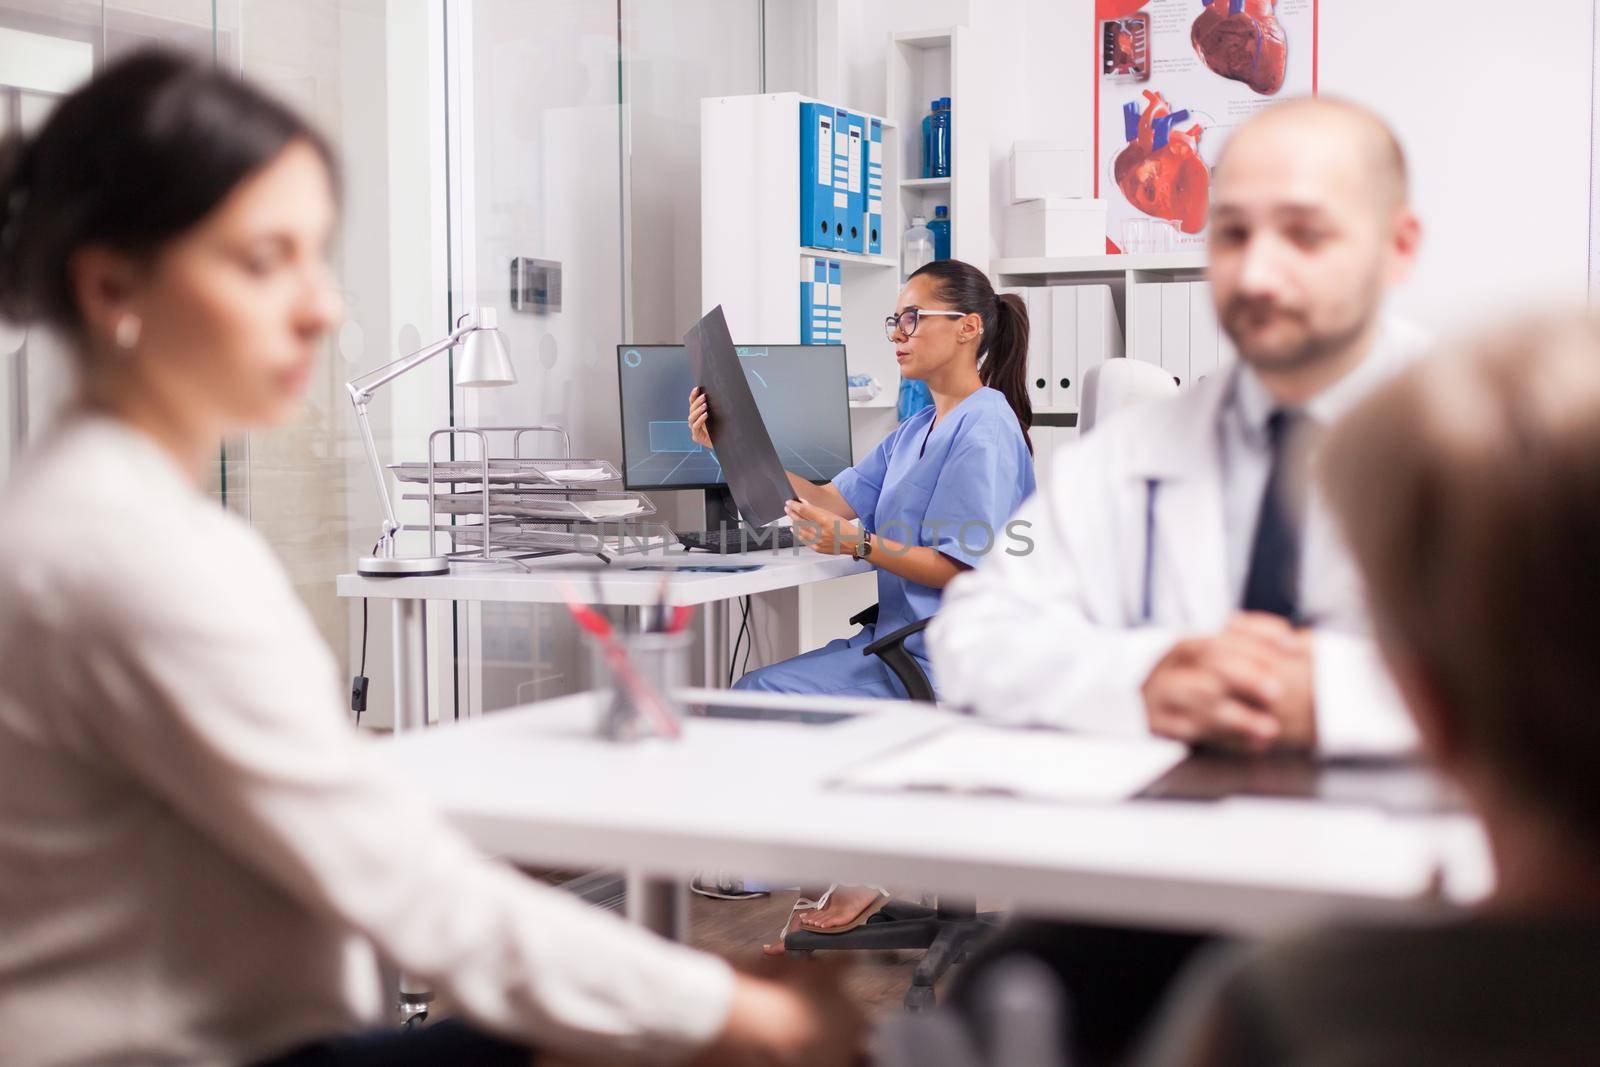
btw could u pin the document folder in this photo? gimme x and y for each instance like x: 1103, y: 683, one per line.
x: 816, y: 176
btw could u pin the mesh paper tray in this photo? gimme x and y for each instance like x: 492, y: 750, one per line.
x: 531, y: 473
x: 643, y: 538
x: 546, y: 507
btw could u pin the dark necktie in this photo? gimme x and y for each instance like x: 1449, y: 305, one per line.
x: 1272, y: 583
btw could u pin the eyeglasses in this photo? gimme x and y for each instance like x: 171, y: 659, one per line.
x: 906, y: 321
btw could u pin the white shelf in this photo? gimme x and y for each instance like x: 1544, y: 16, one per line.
x: 924, y: 65
x: 925, y: 38
x: 876, y: 404
x: 1150, y: 262
x: 807, y: 252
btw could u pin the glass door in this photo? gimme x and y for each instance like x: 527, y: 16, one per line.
x: 370, y: 75
x: 575, y: 143
x: 471, y: 134
x: 46, y: 51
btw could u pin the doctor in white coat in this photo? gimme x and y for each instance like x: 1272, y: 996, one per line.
x: 1180, y: 580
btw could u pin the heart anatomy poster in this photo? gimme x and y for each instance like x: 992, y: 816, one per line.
x: 1174, y: 78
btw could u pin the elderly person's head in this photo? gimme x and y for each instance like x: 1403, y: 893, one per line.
x: 1469, y: 489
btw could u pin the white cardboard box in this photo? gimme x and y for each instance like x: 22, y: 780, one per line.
x: 1056, y: 228
x: 1047, y: 170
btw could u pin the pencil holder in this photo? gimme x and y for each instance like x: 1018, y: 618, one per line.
x: 640, y: 674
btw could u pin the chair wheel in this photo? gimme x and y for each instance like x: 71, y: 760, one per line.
x: 920, y: 998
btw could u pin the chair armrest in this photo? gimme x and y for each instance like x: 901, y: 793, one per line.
x: 899, y: 637
x: 891, y: 649
x: 867, y: 616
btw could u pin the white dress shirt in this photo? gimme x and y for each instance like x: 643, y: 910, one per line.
x: 1142, y: 538
x: 1246, y: 455
x: 200, y: 860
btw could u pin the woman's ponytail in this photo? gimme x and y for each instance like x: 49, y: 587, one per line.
x: 1006, y: 368
x: 1003, y: 352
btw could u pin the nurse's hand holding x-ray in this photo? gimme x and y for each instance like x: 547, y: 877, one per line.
x: 825, y: 521
x: 829, y: 518
x: 822, y: 530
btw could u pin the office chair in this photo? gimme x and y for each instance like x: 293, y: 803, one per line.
x: 891, y: 649
x: 1119, y: 383
x: 949, y: 929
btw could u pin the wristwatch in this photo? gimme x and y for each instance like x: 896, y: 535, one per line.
x: 862, y: 548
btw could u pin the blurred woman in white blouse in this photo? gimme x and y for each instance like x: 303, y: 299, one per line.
x: 197, y: 856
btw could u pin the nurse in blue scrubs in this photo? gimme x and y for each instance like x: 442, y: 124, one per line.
x: 931, y: 499
x: 936, y: 494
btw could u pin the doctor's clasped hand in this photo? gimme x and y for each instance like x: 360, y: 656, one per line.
x: 1247, y: 688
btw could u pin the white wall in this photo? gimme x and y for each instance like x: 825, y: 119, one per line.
x: 1498, y: 136
x: 1498, y: 139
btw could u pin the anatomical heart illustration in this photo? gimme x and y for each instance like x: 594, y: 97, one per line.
x: 1243, y: 40
x: 1160, y: 170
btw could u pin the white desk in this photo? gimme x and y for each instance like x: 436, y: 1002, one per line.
x: 540, y: 581
x: 534, y: 786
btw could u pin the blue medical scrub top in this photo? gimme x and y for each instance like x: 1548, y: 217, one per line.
x: 953, y: 489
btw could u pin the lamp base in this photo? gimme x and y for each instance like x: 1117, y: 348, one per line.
x: 401, y: 566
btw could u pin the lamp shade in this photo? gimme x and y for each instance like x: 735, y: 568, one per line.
x: 485, y: 360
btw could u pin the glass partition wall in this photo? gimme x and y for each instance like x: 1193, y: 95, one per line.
x: 470, y: 132
x: 580, y: 146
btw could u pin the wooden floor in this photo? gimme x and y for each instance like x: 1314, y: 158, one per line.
x: 737, y: 929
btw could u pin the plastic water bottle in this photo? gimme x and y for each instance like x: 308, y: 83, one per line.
x: 916, y: 247
x: 912, y: 398
x: 939, y: 145
x: 940, y: 228
x: 927, y: 138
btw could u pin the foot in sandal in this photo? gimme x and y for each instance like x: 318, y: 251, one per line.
x: 841, y: 908
x: 847, y: 907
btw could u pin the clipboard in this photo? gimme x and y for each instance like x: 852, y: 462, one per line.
x: 750, y: 463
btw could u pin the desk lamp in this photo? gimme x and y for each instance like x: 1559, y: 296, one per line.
x: 485, y: 361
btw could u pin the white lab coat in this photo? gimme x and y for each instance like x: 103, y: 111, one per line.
x: 1060, y: 635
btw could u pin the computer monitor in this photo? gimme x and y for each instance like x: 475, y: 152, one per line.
x: 800, y: 390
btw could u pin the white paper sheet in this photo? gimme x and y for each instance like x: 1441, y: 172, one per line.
x: 581, y: 474
x: 1032, y: 764
x: 608, y: 509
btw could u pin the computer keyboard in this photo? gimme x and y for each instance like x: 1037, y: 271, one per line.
x: 738, y: 539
